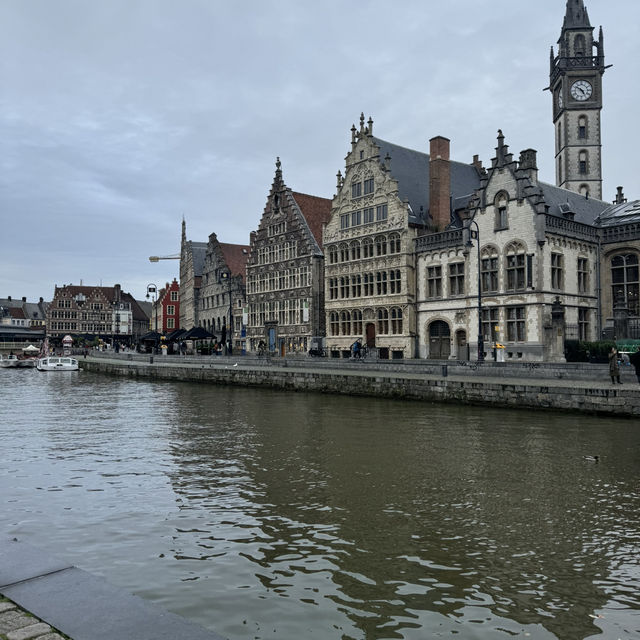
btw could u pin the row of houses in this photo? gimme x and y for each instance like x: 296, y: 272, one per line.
x: 418, y: 255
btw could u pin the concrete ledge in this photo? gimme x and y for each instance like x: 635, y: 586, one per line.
x: 83, y: 606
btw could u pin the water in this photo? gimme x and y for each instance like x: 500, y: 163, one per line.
x: 277, y: 515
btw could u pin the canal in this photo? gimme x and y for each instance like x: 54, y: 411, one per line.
x: 263, y: 514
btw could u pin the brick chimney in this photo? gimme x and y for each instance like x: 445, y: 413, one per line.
x: 439, y: 182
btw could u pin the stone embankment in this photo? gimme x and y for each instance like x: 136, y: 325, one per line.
x: 565, y: 387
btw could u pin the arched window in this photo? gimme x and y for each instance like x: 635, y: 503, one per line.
x: 333, y: 254
x: 345, y: 323
x: 579, y: 45
x: 356, y: 286
x: 501, y: 204
x: 394, y: 243
x: 515, y: 267
x: 367, y: 248
x: 344, y: 287
x: 582, y: 127
x: 355, y: 250
x: 383, y: 321
x: 356, y: 318
x: 625, y: 281
x: 381, y: 245
x: 396, y: 320
x: 584, y: 190
x: 334, y: 323
x: 583, y: 159
x: 344, y: 252
x: 333, y: 288
x: 489, y: 269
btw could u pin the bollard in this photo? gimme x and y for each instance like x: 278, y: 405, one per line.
x: 445, y: 371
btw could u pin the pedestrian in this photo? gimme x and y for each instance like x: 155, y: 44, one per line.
x: 355, y: 348
x: 614, y: 366
x: 634, y: 359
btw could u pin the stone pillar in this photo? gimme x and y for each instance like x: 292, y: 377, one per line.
x: 620, y: 318
x: 558, y: 332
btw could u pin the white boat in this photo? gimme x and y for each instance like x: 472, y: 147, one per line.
x: 57, y: 363
x: 9, y: 361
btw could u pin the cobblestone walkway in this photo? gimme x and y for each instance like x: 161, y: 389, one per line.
x: 18, y: 624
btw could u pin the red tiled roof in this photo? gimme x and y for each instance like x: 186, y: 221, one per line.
x: 236, y: 256
x: 17, y: 312
x: 316, y: 212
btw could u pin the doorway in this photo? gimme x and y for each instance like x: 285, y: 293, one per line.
x: 439, y: 340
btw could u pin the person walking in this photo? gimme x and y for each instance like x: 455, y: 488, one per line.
x: 614, y: 366
x: 634, y: 359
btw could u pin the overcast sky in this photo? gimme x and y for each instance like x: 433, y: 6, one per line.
x: 118, y: 118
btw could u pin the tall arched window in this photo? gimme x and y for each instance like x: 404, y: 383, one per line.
x: 344, y: 252
x: 515, y: 267
x: 333, y: 254
x: 579, y: 45
x: 367, y: 248
x: 383, y: 321
x: 356, y: 318
x: 394, y: 243
x: 396, y: 320
x: 489, y: 269
x: 583, y: 159
x: 625, y: 281
x: 345, y: 323
x: 582, y: 127
x: 501, y: 203
x: 355, y: 250
x: 334, y: 323
x: 381, y: 245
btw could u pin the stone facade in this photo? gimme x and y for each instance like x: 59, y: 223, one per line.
x: 223, y: 291
x: 192, y: 256
x: 285, y: 293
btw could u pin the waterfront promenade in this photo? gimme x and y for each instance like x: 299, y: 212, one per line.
x: 557, y: 386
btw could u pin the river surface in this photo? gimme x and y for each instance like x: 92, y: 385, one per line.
x: 264, y: 514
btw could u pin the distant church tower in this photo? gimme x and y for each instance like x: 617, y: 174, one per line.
x: 576, y: 87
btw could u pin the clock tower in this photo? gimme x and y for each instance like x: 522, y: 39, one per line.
x: 576, y: 89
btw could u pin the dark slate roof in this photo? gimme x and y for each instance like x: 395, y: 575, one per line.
x: 199, y: 251
x: 316, y: 212
x: 411, y: 169
x: 561, y: 201
x: 620, y: 213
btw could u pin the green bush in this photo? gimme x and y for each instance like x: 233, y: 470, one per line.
x: 578, y: 351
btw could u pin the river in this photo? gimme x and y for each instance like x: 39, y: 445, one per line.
x: 263, y: 514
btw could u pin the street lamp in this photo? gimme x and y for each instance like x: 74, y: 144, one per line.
x: 226, y: 275
x: 470, y: 244
x: 152, y: 289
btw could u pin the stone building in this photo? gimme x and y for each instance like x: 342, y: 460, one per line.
x: 285, y: 271
x: 192, y: 256
x: 388, y: 196
x: 223, y: 291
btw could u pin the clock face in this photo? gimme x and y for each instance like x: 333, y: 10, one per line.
x: 581, y: 90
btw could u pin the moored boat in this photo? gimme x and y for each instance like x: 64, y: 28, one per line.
x: 57, y: 363
x: 9, y: 361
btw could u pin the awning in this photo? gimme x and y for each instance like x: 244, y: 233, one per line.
x: 152, y: 335
x: 628, y: 345
x: 197, y: 333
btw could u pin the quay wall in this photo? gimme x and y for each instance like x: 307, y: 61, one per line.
x: 595, y: 397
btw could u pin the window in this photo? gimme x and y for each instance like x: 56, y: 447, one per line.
x: 333, y: 254
x: 395, y: 282
x: 381, y: 246
x: 394, y: 243
x: 396, y: 321
x: 355, y: 250
x: 583, y: 324
x: 368, y: 186
x: 345, y: 323
x: 333, y: 288
x: 582, y: 162
x: 174, y: 296
x: 367, y: 281
x: 344, y: 221
x: 434, y: 282
x: 515, y: 268
x: 171, y: 323
x: 171, y: 310
x: 367, y: 248
x: 344, y: 253
x: 516, y: 326
x: 368, y: 215
x: 381, y: 283
x: 557, y: 271
x: 489, y: 324
x: 624, y: 279
x: 501, y: 220
x: 381, y: 212
x: 356, y: 218
x: 356, y: 189
x: 489, y: 270
x: 583, y: 275
x: 383, y: 321
x: 356, y: 286
x: 456, y: 279
x: 344, y: 287
x: 356, y: 318
x: 582, y: 127
x: 334, y: 324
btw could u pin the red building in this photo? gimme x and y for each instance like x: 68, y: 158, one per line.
x: 168, y: 308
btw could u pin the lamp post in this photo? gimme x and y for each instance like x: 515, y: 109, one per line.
x: 152, y: 289
x: 470, y: 244
x: 226, y: 275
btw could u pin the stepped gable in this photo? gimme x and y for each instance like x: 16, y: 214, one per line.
x: 411, y: 169
x: 236, y: 257
x: 316, y: 212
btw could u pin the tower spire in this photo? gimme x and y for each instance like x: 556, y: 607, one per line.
x: 576, y: 16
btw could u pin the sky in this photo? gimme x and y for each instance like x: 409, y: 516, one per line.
x: 118, y: 119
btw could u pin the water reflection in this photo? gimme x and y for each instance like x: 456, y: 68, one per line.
x: 257, y: 513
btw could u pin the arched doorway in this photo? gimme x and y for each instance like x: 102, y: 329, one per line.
x: 439, y: 340
x: 462, y: 348
x: 371, y: 335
